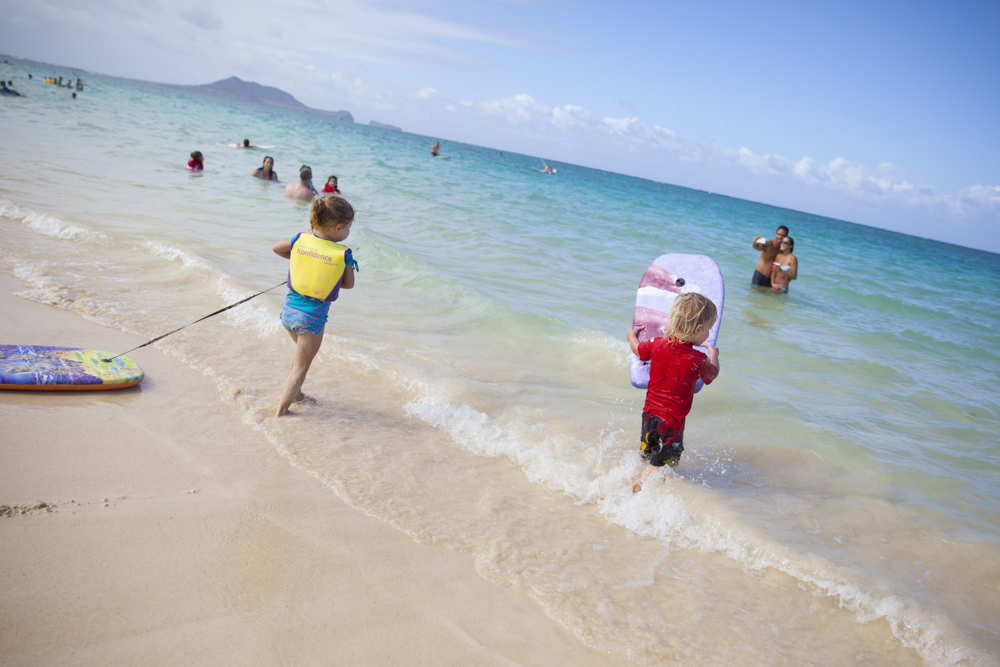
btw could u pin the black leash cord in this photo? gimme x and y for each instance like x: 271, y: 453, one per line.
x: 221, y: 310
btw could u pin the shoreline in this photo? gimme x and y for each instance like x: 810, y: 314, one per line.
x: 175, y: 533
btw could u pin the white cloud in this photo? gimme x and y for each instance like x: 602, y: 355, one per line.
x: 519, y: 109
x: 201, y: 16
x: 978, y: 199
x: 571, y: 116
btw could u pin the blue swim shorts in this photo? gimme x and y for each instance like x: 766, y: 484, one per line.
x: 303, y: 315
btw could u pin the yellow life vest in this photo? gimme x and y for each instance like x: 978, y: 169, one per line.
x: 317, y: 267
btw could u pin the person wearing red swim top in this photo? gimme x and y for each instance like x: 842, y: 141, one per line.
x: 674, y: 369
x: 196, y: 163
x: 331, y: 186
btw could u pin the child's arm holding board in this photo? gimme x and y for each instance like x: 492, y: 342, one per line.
x: 633, y: 342
x: 633, y: 338
x: 713, y: 354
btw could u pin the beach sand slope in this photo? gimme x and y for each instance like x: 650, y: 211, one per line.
x: 151, y: 526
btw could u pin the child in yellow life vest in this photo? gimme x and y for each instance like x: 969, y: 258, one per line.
x: 319, y: 266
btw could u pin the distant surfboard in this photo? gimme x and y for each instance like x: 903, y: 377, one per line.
x: 41, y: 367
x: 668, y: 277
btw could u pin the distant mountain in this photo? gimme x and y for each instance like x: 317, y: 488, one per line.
x: 238, y: 90
x: 384, y: 126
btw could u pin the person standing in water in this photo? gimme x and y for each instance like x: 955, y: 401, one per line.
x: 786, y: 266
x: 674, y: 369
x: 302, y: 189
x: 197, y: 161
x: 266, y: 170
x: 319, y: 267
x: 768, y: 252
x: 331, y: 186
x: 435, y: 148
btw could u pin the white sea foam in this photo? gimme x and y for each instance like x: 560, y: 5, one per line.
x: 188, y: 261
x: 47, y: 225
x: 253, y: 315
x: 661, y: 512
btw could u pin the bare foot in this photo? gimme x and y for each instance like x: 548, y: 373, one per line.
x: 303, y: 398
x: 637, y: 482
x: 282, y: 413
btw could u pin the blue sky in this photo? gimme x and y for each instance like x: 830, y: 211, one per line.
x: 878, y: 113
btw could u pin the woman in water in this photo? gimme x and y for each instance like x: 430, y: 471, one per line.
x: 266, y: 170
x: 785, y: 268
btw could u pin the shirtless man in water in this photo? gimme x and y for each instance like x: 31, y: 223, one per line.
x: 768, y: 252
x: 301, y: 189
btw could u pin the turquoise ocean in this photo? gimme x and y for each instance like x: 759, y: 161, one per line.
x: 839, y: 497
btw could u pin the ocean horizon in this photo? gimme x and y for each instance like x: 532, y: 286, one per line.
x: 381, y: 125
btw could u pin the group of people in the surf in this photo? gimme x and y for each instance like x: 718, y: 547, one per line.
x: 7, y: 86
x: 300, y: 190
x: 675, y: 356
x: 777, y: 266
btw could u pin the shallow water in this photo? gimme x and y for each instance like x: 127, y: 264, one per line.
x: 838, y: 498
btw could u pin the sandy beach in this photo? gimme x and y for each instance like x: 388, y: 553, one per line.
x: 150, y: 526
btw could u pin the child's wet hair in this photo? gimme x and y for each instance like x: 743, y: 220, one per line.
x: 196, y: 155
x: 690, y: 310
x: 330, y: 211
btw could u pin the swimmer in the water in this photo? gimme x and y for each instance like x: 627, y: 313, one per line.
x: 247, y: 144
x: 9, y: 91
x: 302, y: 189
x: 546, y: 168
x: 266, y: 170
x: 331, y: 186
x: 197, y: 161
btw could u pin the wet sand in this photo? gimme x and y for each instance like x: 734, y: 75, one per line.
x: 151, y: 526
